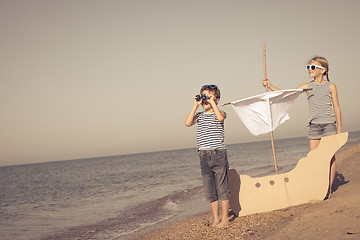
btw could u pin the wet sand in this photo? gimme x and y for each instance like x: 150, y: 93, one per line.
x: 335, y: 218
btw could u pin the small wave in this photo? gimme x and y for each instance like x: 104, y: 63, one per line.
x: 139, y: 217
x: 170, y: 205
x: 139, y: 227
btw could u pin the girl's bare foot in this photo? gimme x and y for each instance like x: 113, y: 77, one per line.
x: 328, y: 196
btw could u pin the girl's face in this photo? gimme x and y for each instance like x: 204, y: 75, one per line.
x: 318, y: 72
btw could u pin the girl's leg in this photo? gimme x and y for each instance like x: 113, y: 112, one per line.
x: 313, y: 144
x: 215, y: 212
x: 332, y: 174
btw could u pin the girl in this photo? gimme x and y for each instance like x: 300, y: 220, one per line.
x: 324, y: 109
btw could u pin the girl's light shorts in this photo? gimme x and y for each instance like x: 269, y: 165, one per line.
x: 317, y: 131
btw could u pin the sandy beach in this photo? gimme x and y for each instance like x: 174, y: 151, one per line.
x: 335, y: 218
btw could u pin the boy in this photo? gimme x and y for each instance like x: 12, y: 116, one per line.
x: 212, y: 151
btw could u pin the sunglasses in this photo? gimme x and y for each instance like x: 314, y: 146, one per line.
x: 313, y: 67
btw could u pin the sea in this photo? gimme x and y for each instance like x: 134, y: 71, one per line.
x: 118, y: 196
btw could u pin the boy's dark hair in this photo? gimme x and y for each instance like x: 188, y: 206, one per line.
x: 211, y: 88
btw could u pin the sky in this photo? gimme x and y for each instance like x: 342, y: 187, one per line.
x: 91, y: 78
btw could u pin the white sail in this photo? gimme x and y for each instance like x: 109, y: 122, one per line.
x: 263, y: 113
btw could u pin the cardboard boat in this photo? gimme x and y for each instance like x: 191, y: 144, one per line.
x: 307, y: 182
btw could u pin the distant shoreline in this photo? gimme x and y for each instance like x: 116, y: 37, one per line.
x: 333, y: 218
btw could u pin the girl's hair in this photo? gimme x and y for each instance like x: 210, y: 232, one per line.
x: 211, y: 88
x: 324, y: 63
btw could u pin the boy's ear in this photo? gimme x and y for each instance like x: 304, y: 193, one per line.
x: 217, y: 100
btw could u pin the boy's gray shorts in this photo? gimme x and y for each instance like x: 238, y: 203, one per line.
x: 214, y: 173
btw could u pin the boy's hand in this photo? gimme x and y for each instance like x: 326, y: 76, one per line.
x: 212, y: 101
x: 197, y: 103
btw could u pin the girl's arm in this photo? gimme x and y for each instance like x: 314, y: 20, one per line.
x: 266, y: 83
x: 336, y: 105
x: 303, y: 86
x: 191, y: 118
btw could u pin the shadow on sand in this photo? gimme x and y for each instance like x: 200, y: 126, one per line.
x: 339, y: 180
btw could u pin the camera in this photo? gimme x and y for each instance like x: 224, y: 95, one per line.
x: 202, y: 97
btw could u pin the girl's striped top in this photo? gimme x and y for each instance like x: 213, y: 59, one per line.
x: 210, y: 132
x: 321, y: 109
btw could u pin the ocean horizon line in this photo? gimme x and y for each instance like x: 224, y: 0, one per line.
x: 146, y: 152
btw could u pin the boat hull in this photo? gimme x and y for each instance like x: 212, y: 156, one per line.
x: 307, y: 182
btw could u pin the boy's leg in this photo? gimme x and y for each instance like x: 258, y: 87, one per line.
x: 221, y: 176
x: 208, y: 179
x: 225, y: 214
x: 215, y: 212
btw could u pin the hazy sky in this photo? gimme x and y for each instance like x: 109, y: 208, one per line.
x: 90, y: 78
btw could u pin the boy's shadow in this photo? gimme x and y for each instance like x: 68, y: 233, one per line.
x: 232, y: 215
x: 339, y: 180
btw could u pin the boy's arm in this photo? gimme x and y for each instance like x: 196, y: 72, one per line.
x: 191, y: 118
x: 220, y: 115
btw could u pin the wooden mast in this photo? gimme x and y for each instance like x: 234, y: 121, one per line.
x: 271, y: 133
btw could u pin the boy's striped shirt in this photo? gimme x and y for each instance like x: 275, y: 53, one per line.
x: 210, y: 132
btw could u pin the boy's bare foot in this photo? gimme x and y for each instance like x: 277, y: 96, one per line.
x: 223, y: 224
x: 215, y: 223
